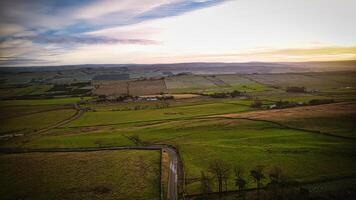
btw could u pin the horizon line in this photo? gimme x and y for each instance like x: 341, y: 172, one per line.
x: 147, y: 64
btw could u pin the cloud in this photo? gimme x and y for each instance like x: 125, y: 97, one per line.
x: 42, y: 29
x: 177, y: 8
x: 77, y: 40
x: 89, y: 15
x: 10, y: 61
x: 105, y: 7
x: 34, y: 14
x: 9, y: 29
x: 150, y: 31
x: 42, y: 49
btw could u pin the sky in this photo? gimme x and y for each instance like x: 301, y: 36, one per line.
x: 69, y: 32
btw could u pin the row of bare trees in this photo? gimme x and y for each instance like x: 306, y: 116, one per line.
x: 219, y: 173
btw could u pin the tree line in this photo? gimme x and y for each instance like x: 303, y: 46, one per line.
x: 219, y: 173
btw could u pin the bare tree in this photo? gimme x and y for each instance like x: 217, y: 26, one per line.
x: 257, y: 175
x: 205, y: 184
x: 240, y: 182
x: 221, y: 171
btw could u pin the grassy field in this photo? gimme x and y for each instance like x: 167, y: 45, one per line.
x: 202, y: 128
x: 240, y: 83
x: 115, y: 117
x: 81, y: 175
x: 127, y: 87
x: 303, y: 156
x: 337, y: 119
x: 72, y: 139
x: 27, y: 90
x: 345, y: 78
x: 310, y: 81
x: 32, y: 122
x: 27, y: 116
x: 188, y: 82
x: 18, y: 111
x: 55, y: 101
x: 212, y: 84
x: 274, y: 95
x: 137, y: 88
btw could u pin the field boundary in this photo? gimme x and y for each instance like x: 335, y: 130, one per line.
x: 289, y: 127
x: 86, y: 149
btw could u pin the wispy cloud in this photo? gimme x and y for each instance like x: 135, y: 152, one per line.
x: 31, y: 29
x: 176, y: 8
x: 88, y: 15
x: 76, y: 40
x: 23, y: 61
x: 149, y: 31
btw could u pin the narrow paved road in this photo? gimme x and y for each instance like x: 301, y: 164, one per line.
x: 172, y: 190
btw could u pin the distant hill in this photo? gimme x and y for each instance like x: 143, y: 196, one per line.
x: 204, y: 67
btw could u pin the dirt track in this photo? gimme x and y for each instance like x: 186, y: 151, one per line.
x: 77, y: 115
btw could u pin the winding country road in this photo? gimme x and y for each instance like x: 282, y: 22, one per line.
x: 172, y: 190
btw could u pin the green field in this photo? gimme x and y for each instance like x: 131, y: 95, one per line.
x: 341, y: 125
x: 207, y: 85
x: 27, y: 90
x: 81, y: 175
x: 304, y: 156
x: 320, y: 81
x: 18, y: 111
x: 72, y: 139
x: 34, y: 122
x: 337, y: 119
x: 28, y: 116
x: 309, y: 144
x: 177, y: 112
x: 55, y: 101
